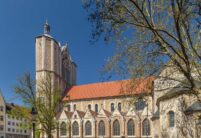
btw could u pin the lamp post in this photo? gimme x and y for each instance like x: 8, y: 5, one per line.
x: 33, y: 113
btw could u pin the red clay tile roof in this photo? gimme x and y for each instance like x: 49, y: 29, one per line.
x: 109, y: 89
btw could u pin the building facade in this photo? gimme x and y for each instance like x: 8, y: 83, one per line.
x: 2, y: 116
x: 54, y: 59
x: 16, y: 127
x: 12, y: 126
x: 151, y: 107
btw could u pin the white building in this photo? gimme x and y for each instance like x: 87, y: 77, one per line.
x: 10, y: 125
x: 16, y: 127
x: 2, y: 116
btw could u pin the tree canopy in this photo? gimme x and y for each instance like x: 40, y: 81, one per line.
x: 45, y: 99
x: 150, y: 34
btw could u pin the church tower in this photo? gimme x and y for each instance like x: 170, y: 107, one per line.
x: 54, y: 59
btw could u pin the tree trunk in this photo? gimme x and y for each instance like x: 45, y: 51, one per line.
x: 49, y: 135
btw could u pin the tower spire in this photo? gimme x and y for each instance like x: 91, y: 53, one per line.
x: 46, y: 28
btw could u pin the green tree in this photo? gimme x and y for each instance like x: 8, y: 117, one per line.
x: 148, y: 34
x: 45, y: 99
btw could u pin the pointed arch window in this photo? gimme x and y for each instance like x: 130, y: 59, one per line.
x: 116, y: 128
x: 101, y: 128
x: 75, y: 129
x: 119, y: 107
x: 63, y: 130
x: 88, y: 128
x: 89, y: 107
x: 130, y: 128
x: 96, y: 108
x: 74, y: 107
x: 146, y: 127
x: 112, y: 107
x: 171, y: 119
x: 68, y: 106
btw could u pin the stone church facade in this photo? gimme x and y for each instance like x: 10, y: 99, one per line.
x: 149, y: 107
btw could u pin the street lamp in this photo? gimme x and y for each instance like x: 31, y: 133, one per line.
x: 33, y: 113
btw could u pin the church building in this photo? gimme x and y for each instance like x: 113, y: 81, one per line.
x: 148, y: 107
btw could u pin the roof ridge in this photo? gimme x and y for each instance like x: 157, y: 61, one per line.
x: 100, y: 82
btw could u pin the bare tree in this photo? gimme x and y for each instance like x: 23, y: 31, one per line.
x: 149, y: 34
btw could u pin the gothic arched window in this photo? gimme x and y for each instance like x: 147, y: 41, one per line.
x: 89, y: 107
x: 63, y: 130
x: 112, y: 107
x: 116, y: 128
x: 96, y: 108
x: 130, y: 128
x: 101, y: 128
x: 88, y: 128
x: 171, y: 119
x: 74, y: 107
x: 75, y: 128
x: 146, y: 127
x: 68, y: 106
x: 119, y: 107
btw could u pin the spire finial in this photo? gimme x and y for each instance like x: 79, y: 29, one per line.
x: 46, y: 22
x: 46, y: 28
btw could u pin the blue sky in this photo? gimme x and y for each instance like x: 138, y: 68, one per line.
x: 22, y: 20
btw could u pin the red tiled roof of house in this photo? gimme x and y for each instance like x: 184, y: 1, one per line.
x: 109, y: 89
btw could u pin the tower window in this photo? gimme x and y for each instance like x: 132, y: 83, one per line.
x: 1, y: 108
x: 171, y: 119
x: 1, y: 118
